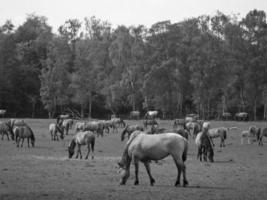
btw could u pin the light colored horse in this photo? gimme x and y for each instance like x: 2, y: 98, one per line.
x: 151, y: 114
x: 250, y: 134
x: 143, y: 147
x: 82, y: 138
x: 22, y: 132
x: 2, y: 113
x: 193, y: 128
x: 79, y: 126
x: 241, y: 116
x: 53, y: 129
x: 67, y: 125
x: 130, y: 129
x: 261, y: 134
x: 218, y: 132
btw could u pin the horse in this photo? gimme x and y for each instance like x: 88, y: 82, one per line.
x: 95, y: 127
x: 22, y: 132
x: 2, y: 113
x: 145, y: 148
x: 178, y: 122
x: 130, y: 129
x: 118, y: 121
x: 79, y: 126
x: 218, y: 132
x: 226, y: 116
x: 82, y: 138
x: 180, y: 131
x: 241, y: 116
x: 193, y: 128
x: 251, y: 133
x: 134, y: 114
x: 204, y: 145
x: 6, y: 129
x: 53, y: 129
x: 67, y: 125
x: 151, y: 122
x: 260, y: 135
x: 151, y: 114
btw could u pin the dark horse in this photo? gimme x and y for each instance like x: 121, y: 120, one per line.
x: 22, y: 132
x: 82, y: 138
x: 6, y: 129
x: 205, y: 146
x: 145, y: 148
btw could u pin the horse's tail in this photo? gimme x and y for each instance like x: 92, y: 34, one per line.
x: 184, y: 155
x: 258, y: 134
x: 93, y: 144
x: 224, y: 134
x: 32, y: 135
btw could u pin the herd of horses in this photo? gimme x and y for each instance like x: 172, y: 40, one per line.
x: 143, y: 144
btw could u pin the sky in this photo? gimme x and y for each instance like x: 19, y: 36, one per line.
x: 123, y: 12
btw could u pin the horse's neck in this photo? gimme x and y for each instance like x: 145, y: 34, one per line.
x: 72, y: 143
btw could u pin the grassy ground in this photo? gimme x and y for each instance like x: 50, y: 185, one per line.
x: 45, y: 172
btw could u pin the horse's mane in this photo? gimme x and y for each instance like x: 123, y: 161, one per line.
x: 123, y: 132
x: 125, y: 156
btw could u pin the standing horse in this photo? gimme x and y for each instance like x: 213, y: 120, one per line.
x: 82, y: 138
x: 193, y: 128
x: 6, y: 129
x: 22, y: 132
x: 151, y: 114
x: 251, y: 134
x: 53, y: 129
x: 130, y: 129
x: 67, y: 125
x: 95, y: 127
x: 241, y: 116
x: 179, y: 123
x: 151, y: 122
x: 218, y: 132
x: 134, y: 114
x: 143, y: 147
x: 261, y: 134
x: 204, y: 145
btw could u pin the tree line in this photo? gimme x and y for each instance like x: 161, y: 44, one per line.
x: 206, y: 65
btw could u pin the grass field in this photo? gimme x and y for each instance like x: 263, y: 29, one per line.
x: 45, y: 172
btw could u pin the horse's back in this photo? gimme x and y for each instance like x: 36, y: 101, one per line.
x: 84, y: 137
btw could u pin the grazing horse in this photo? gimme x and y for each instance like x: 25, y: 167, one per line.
x: 118, y: 121
x: 226, y: 116
x: 204, y: 145
x: 53, y: 129
x: 135, y: 114
x: 241, y: 116
x: 143, y: 147
x: 151, y: 114
x: 130, y: 129
x: 6, y: 129
x: 151, y: 122
x: 251, y: 134
x: 22, y: 132
x: 82, y: 138
x: 261, y: 134
x: 67, y: 125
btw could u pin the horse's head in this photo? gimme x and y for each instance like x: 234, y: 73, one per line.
x: 123, y: 172
x: 71, y: 148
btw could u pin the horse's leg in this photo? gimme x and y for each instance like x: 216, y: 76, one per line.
x: 136, y: 164
x: 28, y: 140
x: 152, y: 180
x: 181, y: 169
x: 18, y: 141
x: 22, y: 142
x: 77, y: 154
x: 88, y: 151
x: 79, y: 147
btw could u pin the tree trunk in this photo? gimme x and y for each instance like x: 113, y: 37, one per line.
x: 255, y: 110
x: 82, y: 111
x: 90, y: 109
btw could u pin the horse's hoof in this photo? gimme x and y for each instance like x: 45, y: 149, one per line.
x: 152, y: 182
x: 185, y: 183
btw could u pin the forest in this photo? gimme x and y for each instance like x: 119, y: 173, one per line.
x: 206, y: 65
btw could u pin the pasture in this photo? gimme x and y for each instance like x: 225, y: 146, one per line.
x: 45, y: 172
